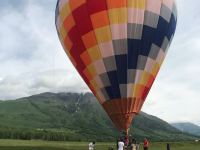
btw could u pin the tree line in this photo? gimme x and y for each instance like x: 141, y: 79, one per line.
x: 37, y: 134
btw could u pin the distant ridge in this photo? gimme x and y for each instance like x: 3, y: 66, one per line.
x: 187, y: 127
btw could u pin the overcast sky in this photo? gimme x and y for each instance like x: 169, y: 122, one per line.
x: 32, y: 60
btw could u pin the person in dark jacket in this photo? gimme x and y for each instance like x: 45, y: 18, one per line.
x: 117, y: 142
x: 168, y: 146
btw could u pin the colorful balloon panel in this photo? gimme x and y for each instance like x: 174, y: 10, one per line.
x: 117, y: 46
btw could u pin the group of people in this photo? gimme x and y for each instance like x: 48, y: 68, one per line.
x: 131, y: 144
x: 125, y: 144
x: 128, y: 144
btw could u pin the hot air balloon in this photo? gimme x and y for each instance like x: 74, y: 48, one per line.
x: 117, y: 46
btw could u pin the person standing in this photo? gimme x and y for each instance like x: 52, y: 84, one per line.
x: 120, y: 145
x: 146, y: 144
x: 137, y: 145
x: 91, y: 145
x: 168, y: 146
x: 133, y: 144
x: 126, y: 142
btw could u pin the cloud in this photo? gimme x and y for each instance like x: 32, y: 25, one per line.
x: 27, y: 84
x: 29, y: 40
x: 29, y: 47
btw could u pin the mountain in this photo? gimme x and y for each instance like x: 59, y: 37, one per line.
x: 188, y: 127
x: 80, y: 116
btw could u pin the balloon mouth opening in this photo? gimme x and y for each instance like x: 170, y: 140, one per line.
x: 123, y: 111
x: 122, y: 121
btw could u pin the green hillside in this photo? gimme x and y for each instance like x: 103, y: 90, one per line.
x: 78, y: 116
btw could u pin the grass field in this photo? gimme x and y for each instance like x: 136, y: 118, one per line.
x: 43, y: 145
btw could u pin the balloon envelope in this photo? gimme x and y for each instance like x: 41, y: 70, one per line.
x: 117, y: 46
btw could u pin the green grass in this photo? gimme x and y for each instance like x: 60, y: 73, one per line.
x: 44, y: 145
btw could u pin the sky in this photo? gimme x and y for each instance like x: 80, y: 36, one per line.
x: 32, y: 60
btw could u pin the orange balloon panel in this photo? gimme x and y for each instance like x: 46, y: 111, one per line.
x: 117, y: 46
